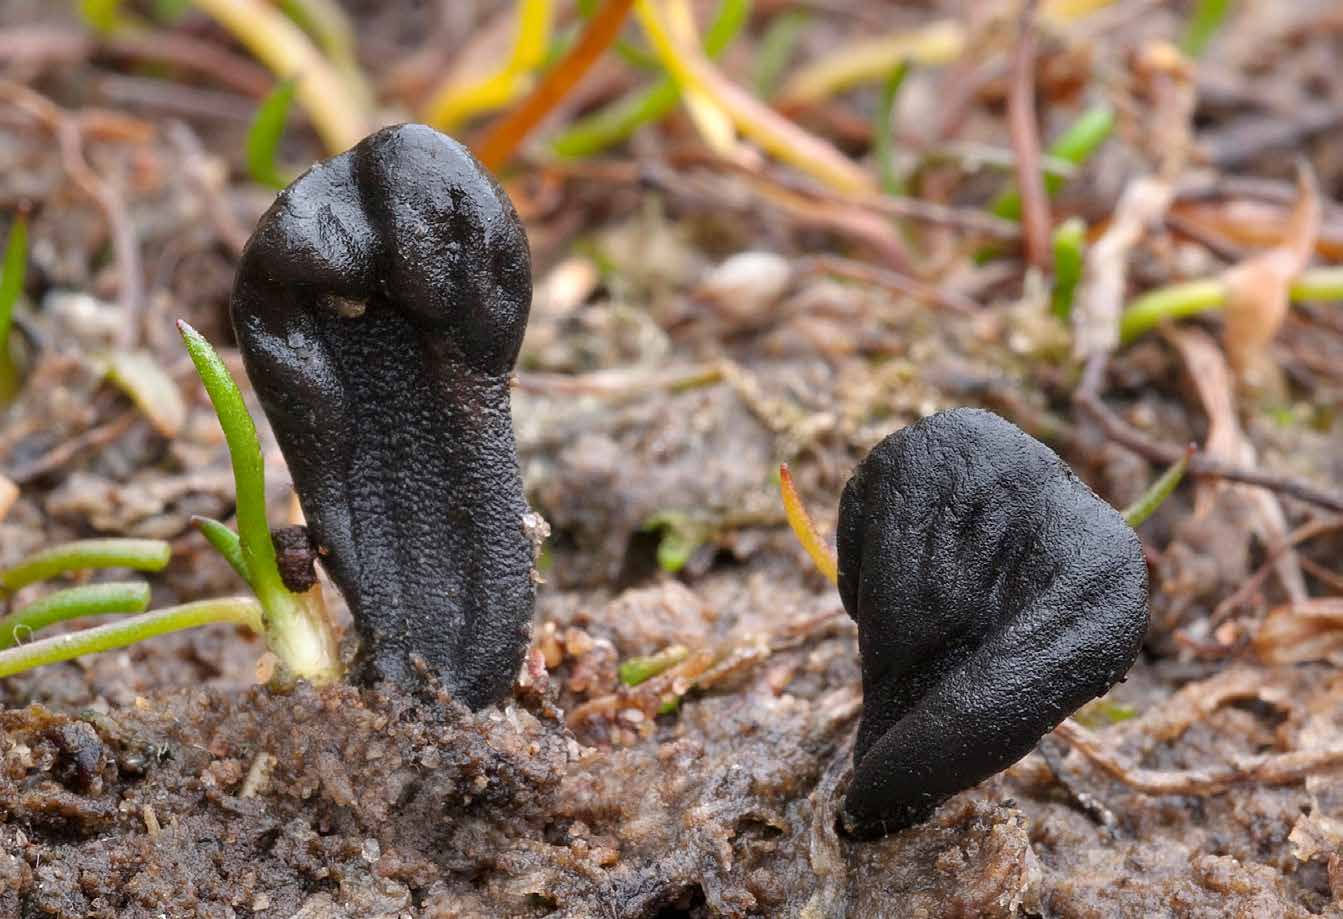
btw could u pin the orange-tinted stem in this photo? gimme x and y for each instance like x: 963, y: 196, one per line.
x: 822, y: 556
x: 501, y: 139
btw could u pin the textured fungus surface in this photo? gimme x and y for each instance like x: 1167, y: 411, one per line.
x: 380, y: 305
x: 994, y: 594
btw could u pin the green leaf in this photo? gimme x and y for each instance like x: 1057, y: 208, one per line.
x: 1069, y: 257
x: 1103, y: 713
x: 1075, y: 145
x: 170, y: 11
x: 225, y: 542
x: 775, y: 51
x: 883, y: 130
x: 264, y: 133
x: 101, y: 16
x: 1158, y: 491
x: 11, y: 287
x: 681, y: 536
x: 242, y: 611
x: 244, y: 449
x: 1203, y: 24
x: 636, y: 670
x: 139, y: 554
x: 296, y: 629
x: 73, y: 603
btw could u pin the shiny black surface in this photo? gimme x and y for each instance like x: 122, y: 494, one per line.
x: 994, y: 594
x: 380, y: 305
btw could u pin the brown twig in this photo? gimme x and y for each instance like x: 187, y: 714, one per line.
x: 618, y: 382
x: 194, y: 55
x: 1051, y: 750
x: 1087, y: 398
x: 1025, y: 132
x: 58, y: 456
x: 1308, y: 530
x: 45, y: 45
x: 890, y: 280
x: 1271, y: 769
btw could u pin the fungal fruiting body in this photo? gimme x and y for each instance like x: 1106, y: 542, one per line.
x: 380, y: 305
x: 994, y: 594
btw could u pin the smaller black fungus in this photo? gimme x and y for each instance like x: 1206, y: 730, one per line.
x: 994, y: 593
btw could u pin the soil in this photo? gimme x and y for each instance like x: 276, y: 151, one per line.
x: 653, y: 405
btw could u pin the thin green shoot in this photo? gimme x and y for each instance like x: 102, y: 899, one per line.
x: 11, y: 287
x: 1103, y: 712
x: 297, y: 629
x: 1319, y: 284
x: 263, y: 135
x: 102, y: 16
x: 679, y: 537
x: 1074, y: 146
x: 1159, y: 491
x: 775, y: 52
x: 242, y: 611
x: 883, y: 131
x: 1203, y: 25
x: 225, y: 542
x: 619, y: 120
x: 85, y: 554
x: 1191, y: 298
x: 115, y: 598
x: 169, y: 12
x: 1069, y: 258
x: 637, y: 670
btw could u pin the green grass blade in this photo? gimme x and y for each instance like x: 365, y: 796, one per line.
x: 619, y: 120
x: 637, y: 670
x: 1075, y: 145
x: 296, y: 629
x: 73, y: 603
x: 883, y: 130
x: 775, y: 51
x: 11, y: 287
x: 249, y: 478
x: 11, y: 280
x: 139, y: 554
x: 1159, y: 491
x: 1069, y: 257
x: 242, y: 611
x: 225, y: 542
x: 1203, y: 25
x: 264, y: 133
x: 1176, y: 301
x: 102, y: 16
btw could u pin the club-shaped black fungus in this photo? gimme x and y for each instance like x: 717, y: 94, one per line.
x: 380, y: 305
x: 994, y: 594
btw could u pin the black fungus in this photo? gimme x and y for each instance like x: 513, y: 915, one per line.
x: 994, y: 594
x: 380, y: 305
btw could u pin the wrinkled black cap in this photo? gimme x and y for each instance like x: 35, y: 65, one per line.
x: 380, y: 305
x: 994, y: 593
